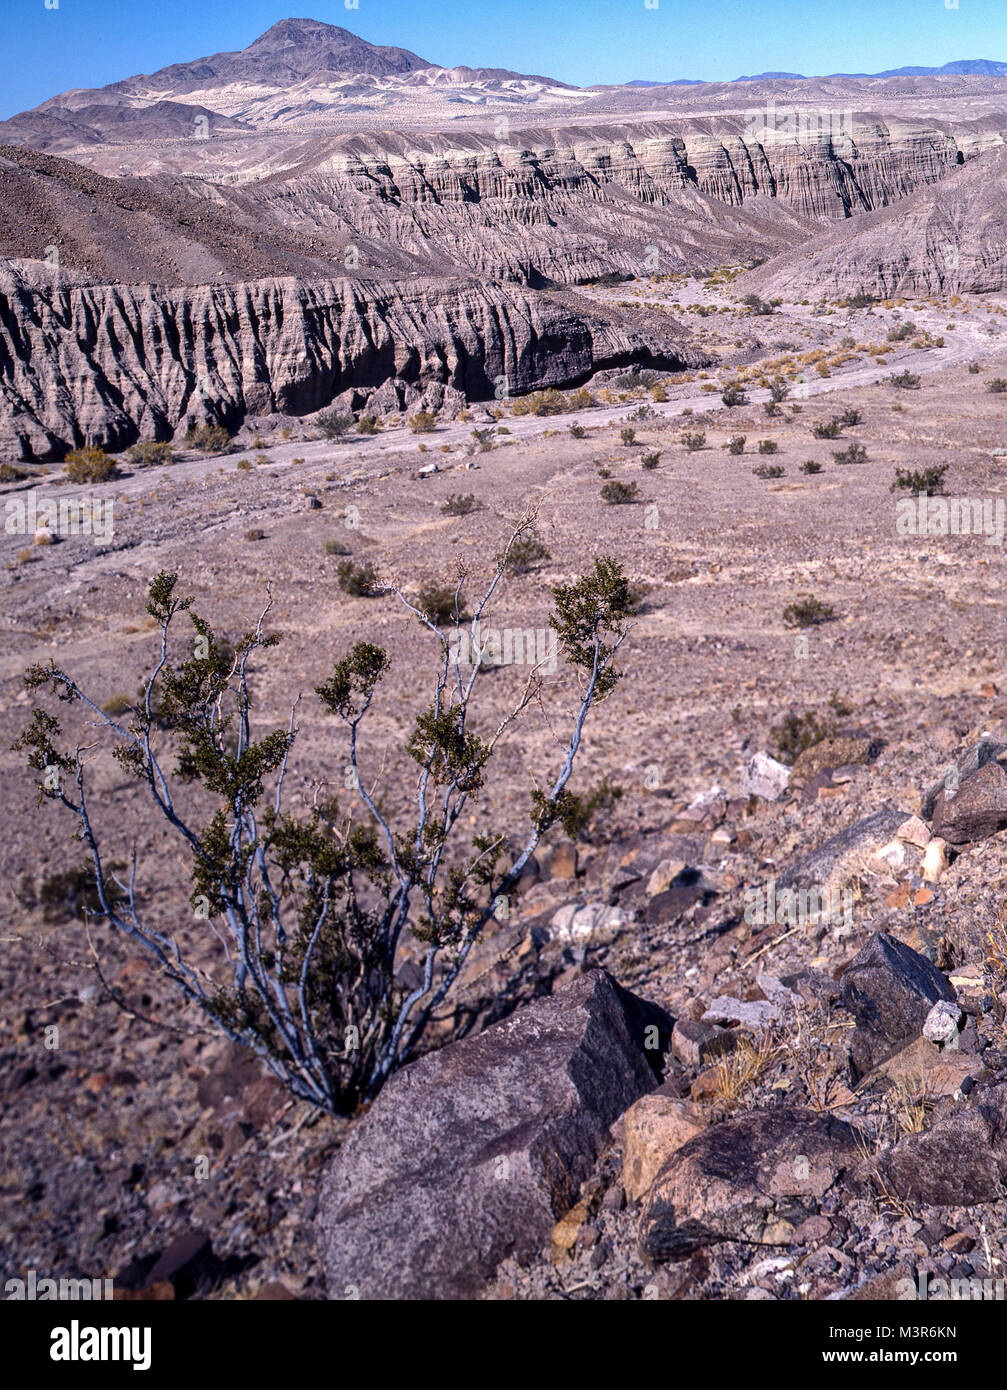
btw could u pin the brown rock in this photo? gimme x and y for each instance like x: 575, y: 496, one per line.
x: 694, y: 1043
x: 656, y: 1127
x: 835, y: 752
x: 725, y: 1183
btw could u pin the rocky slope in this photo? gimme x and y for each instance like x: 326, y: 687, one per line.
x: 948, y: 239
x: 103, y: 364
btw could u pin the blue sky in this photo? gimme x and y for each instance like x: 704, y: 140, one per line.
x: 85, y: 43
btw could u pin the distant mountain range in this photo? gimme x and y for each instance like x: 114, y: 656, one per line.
x: 964, y: 67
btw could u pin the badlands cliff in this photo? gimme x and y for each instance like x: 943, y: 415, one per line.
x: 107, y: 364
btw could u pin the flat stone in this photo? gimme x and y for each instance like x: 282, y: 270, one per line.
x: 726, y: 1182
x: 941, y: 1023
x: 836, y: 861
x: 757, y: 1014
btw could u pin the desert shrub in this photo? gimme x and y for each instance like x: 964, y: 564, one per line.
x: 577, y: 431
x: 905, y: 381
x: 642, y: 413
x: 768, y: 446
x: 367, y: 424
x: 308, y: 911
x: 628, y: 436
x: 974, y: 369
x: 736, y: 444
x: 255, y: 533
x: 768, y: 470
x: 483, y: 440
x: 551, y: 402
x: 694, y: 442
x: 244, y: 465
x: 440, y: 604
x: 651, y: 460
x: 525, y: 553
x: 901, y: 332
x: 997, y: 386
x: 581, y: 399
x: 772, y: 409
x: 928, y: 480
x: 779, y: 390
x: 461, y: 504
x: 148, y: 452
x: 334, y: 425
x: 10, y: 474
x: 334, y: 547
x: 658, y: 393
x: 423, y: 422
x: 811, y: 466
x: 637, y: 380
x: 117, y: 704
x: 860, y: 301
x: 849, y: 418
x: 89, y: 466
x: 359, y: 581
x: 579, y: 811
x: 755, y: 305
x: 854, y: 453
x: 807, y: 611
x: 209, y: 439
x: 827, y: 429
x: 733, y: 395
x: 72, y: 892
x: 798, y: 732
x: 619, y: 494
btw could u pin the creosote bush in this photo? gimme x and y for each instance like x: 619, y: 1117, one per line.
x: 333, y: 424
x: 461, y: 504
x: 905, y: 381
x: 90, y: 466
x: 315, y: 910
x: 651, y: 460
x: 618, y: 494
x: 853, y: 453
x: 359, y: 581
x: 736, y: 444
x: 695, y: 441
x: 807, y: 611
x: 926, y: 480
x: 209, y: 439
x: 148, y: 452
x: 423, y: 422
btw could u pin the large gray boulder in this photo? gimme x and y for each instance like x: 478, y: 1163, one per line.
x: 473, y: 1152
x: 890, y: 989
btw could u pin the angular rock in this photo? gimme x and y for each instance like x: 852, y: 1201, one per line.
x: 935, y: 861
x: 834, y: 861
x: 757, y: 1014
x: 725, y: 1183
x: 977, y: 755
x: 889, y: 988
x: 941, y: 1023
x: 473, y: 1152
x: 840, y: 751
x: 764, y: 776
x: 976, y: 810
x: 695, y: 1044
x: 656, y: 1127
x: 960, y: 1160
